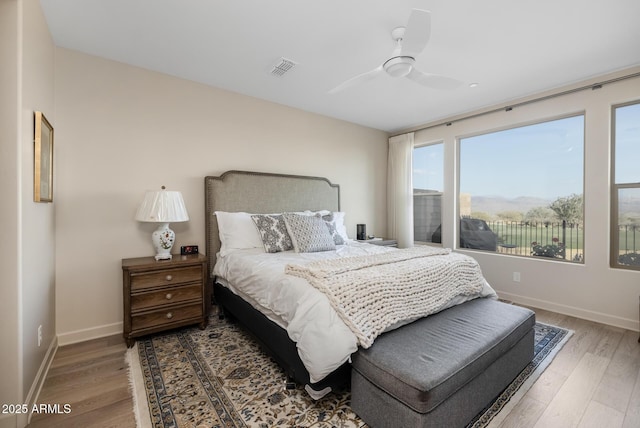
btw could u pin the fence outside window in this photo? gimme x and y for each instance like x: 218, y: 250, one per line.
x: 559, y: 240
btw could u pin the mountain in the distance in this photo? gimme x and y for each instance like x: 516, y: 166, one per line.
x: 497, y: 204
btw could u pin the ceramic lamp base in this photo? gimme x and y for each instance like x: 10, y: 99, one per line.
x: 163, y: 239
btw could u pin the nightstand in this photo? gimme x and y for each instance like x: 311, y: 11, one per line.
x: 163, y: 294
x: 384, y: 242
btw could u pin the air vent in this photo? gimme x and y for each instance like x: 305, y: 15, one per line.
x: 282, y: 67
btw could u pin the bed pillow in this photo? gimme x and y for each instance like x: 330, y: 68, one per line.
x: 340, y: 227
x: 309, y: 234
x: 308, y: 212
x: 237, y: 232
x: 330, y: 220
x: 273, y: 232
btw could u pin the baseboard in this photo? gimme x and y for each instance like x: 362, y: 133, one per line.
x: 23, y: 419
x: 626, y: 323
x: 89, y: 334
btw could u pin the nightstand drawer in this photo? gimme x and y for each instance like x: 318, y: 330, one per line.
x: 166, y: 296
x: 159, y: 295
x: 166, y: 316
x: 165, y: 277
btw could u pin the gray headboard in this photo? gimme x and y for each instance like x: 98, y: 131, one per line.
x: 262, y: 193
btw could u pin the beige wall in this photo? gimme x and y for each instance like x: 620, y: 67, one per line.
x: 28, y: 290
x: 38, y: 227
x: 592, y: 290
x: 122, y: 130
x: 10, y: 351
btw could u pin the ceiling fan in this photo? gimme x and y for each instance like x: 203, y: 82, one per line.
x: 410, y: 41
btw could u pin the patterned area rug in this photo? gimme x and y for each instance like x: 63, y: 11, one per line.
x: 219, y: 377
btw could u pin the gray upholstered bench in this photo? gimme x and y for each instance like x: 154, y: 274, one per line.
x: 442, y: 370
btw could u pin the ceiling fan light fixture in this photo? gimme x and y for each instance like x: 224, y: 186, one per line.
x: 399, y: 66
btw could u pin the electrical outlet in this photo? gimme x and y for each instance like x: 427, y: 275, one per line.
x: 40, y: 335
x: 516, y: 276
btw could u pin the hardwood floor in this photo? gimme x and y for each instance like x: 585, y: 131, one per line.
x: 593, y: 382
x: 92, y: 378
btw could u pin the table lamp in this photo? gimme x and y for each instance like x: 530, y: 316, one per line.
x: 162, y: 207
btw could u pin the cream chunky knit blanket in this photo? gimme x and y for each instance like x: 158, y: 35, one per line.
x: 371, y: 293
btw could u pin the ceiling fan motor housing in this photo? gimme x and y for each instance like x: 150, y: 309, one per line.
x: 399, y: 66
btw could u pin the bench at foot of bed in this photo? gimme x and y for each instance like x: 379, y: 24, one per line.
x: 444, y: 369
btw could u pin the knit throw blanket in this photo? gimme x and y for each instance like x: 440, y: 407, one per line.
x: 371, y: 293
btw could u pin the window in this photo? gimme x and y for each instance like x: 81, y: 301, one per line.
x: 625, y: 245
x: 428, y: 178
x: 521, y: 190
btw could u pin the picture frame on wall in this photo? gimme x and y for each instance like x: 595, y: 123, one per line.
x: 42, y: 159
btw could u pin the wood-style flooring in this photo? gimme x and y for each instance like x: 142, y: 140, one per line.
x: 92, y: 378
x: 593, y: 382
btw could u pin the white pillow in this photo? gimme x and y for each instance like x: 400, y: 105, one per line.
x: 312, y: 213
x: 237, y: 231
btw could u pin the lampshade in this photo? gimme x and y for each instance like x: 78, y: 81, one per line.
x: 162, y: 207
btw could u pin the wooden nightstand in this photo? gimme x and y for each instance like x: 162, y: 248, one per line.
x: 163, y: 294
x: 384, y: 242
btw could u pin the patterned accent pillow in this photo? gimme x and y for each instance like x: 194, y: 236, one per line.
x: 273, y: 232
x: 330, y: 220
x: 309, y: 234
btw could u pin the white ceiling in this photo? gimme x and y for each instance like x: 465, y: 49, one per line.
x: 511, y: 48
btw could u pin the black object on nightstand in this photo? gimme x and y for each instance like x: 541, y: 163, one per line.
x: 361, y: 232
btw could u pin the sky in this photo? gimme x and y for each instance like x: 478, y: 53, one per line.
x: 543, y: 160
x: 627, y: 153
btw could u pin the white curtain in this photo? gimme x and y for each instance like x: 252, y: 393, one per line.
x: 400, y: 190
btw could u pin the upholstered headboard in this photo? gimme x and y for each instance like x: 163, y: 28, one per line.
x: 262, y: 193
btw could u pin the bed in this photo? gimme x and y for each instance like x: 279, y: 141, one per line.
x: 236, y: 192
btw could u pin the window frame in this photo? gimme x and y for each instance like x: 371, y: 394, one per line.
x: 506, y: 127
x: 420, y: 145
x: 614, y: 241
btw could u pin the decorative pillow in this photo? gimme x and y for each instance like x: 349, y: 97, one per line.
x: 340, y: 227
x: 273, y: 232
x: 330, y: 220
x: 309, y: 234
x: 237, y: 231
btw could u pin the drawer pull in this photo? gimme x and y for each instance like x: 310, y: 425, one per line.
x: 168, y: 277
x: 169, y: 296
x: 169, y: 315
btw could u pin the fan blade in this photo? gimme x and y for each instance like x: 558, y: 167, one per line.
x: 361, y: 78
x: 433, y: 80
x: 417, y: 32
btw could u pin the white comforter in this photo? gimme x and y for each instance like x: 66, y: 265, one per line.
x: 324, y: 341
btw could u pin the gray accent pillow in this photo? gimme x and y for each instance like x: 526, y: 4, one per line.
x: 309, y: 234
x: 330, y: 220
x: 273, y: 232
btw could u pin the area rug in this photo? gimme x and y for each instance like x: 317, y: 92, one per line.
x: 219, y: 377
